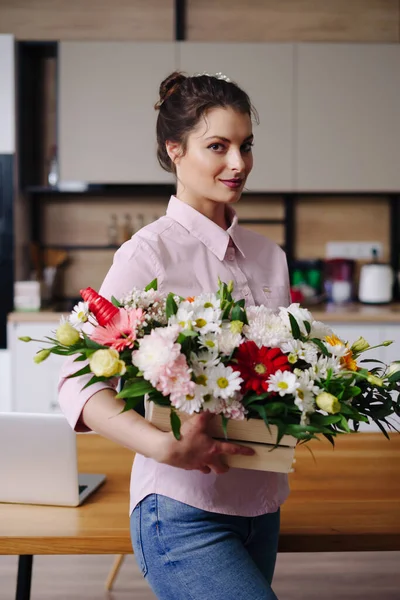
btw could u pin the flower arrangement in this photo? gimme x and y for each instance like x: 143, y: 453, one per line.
x: 211, y: 353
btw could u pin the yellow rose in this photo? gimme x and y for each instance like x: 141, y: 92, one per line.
x: 106, y: 363
x: 360, y: 345
x: 41, y: 356
x: 328, y: 402
x: 374, y: 380
x: 67, y: 335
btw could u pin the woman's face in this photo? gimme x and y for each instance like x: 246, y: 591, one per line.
x: 217, y: 160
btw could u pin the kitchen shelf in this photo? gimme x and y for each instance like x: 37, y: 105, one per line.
x: 70, y: 247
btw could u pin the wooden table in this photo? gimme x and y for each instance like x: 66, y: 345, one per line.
x: 348, y: 500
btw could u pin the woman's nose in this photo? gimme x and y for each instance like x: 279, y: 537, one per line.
x: 236, y: 162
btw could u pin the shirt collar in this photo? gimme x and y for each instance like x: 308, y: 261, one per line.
x: 209, y: 233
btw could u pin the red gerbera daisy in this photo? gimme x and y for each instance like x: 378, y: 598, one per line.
x: 257, y: 364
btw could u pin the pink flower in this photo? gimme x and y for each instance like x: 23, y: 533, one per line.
x: 174, y: 379
x: 120, y: 333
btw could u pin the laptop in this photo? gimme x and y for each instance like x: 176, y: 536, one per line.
x: 38, y: 461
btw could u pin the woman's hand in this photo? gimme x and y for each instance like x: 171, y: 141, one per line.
x: 197, y: 449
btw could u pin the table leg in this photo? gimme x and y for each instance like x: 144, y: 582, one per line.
x: 24, y: 577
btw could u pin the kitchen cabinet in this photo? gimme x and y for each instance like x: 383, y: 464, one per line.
x: 7, y: 95
x: 33, y: 387
x: 265, y: 71
x: 106, y: 116
x: 347, y: 117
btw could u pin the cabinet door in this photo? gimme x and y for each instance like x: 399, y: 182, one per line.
x: 33, y: 387
x: 107, y: 92
x: 265, y: 72
x: 7, y: 95
x: 348, y: 117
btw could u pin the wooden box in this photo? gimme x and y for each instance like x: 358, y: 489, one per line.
x: 251, y: 432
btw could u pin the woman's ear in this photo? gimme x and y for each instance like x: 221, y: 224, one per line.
x: 173, y: 151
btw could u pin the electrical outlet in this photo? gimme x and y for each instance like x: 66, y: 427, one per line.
x: 355, y: 250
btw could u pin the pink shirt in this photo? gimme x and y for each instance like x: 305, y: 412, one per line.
x: 187, y: 253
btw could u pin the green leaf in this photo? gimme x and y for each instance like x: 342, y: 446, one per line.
x: 394, y: 377
x: 321, y: 346
x: 91, y: 344
x: 295, y: 327
x: 175, y: 424
x: 80, y: 357
x: 238, y: 314
x: 116, y: 302
x: 131, y: 403
x: 83, y: 371
x: 330, y: 438
x: 135, y: 388
x: 171, y: 306
x: 93, y: 380
x: 224, y: 421
x: 307, y: 325
x: 153, y: 285
x: 186, y: 333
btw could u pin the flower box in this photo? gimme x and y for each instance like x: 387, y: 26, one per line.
x: 251, y: 432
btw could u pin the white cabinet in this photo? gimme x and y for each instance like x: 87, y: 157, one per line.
x: 374, y: 334
x: 265, y: 72
x: 7, y: 95
x: 33, y: 386
x: 107, y: 92
x: 348, y: 117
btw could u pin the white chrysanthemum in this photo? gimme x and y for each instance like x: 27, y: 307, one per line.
x: 209, y: 341
x: 320, y: 330
x: 227, y: 340
x: 283, y: 382
x: 265, y: 328
x: 156, y: 350
x: 213, y: 404
x: 206, y: 317
x: 234, y: 409
x: 300, y: 314
x: 306, y: 392
x: 189, y: 403
x: 223, y: 381
x: 208, y: 300
x: 79, y: 315
x: 319, y: 370
x: 337, y: 350
x: 298, y: 350
x: 184, y: 316
x: 202, y: 360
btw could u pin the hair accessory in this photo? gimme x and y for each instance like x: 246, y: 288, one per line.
x: 218, y: 75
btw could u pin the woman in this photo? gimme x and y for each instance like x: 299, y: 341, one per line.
x: 199, y: 530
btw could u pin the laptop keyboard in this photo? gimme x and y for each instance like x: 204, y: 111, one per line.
x: 82, y: 488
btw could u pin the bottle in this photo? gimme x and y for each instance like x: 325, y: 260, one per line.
x: 127, y: 228
x: 113, y: 231
x: 53, y: 175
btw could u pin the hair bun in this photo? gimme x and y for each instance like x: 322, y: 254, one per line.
x: 169, y: 85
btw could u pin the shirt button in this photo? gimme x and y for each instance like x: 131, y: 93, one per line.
x: 231, y: 254
x: 246, y: 291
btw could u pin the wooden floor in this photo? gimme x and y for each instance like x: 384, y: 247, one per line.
x: 345, y: 576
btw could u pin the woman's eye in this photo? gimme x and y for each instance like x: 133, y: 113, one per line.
x: 247, y: 147
x: 216, y: 147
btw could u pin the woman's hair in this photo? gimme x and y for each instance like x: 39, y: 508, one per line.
x: 184, y: 100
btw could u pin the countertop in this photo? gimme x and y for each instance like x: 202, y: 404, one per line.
x: 330, y: 313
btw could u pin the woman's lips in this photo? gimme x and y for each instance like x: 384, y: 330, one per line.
x: 232, y: 183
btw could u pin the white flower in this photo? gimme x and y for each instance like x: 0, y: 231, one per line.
x: 207, y: 313
x: 306, y: 392
x: 337, y: 350
x: 265, y: 328
x: 300, y: 314
x: 79, y: 315
x: 319, y: 370
x: 213, y: 404
x: 152, y: 302
x: 184, y: 316
x: 228, y: 341
x: 320, y: 330
x: 234, y: 409
x: 189, y: 403
x: 223, y: 381
x: 297, y: 349
x: 203, y: 359
x: 156, y: 350
x: 209, y: 341
x: 284, y: 382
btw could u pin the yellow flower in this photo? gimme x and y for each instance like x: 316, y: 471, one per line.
x: 41, y: 356
x: 333, y: 340
x: 106, y: 363
x: 67, y: 335
x: 328, y: 402
x: 347, y: 361
x: 236, y: 326
x: 374, y: 380
x: 360, y: 345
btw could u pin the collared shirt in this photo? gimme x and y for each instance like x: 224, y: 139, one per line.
x: 187, y: 252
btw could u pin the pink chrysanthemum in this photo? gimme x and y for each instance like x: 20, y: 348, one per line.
x: 174, y: 379
x: 121, y: 331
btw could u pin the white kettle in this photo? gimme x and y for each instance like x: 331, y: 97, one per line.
x: 376, y: 283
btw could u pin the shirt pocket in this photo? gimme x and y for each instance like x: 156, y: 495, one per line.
x: 275, y: 296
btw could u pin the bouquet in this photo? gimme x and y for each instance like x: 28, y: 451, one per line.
x: 209, y: 352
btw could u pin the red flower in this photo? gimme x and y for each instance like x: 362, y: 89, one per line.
x: 257, y: 364
x: 103, y: 309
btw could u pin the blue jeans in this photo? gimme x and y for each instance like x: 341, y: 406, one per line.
x: 190, y: 554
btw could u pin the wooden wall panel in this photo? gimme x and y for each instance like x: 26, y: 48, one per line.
x: 293, y: 20
x: 88, y: 19
x: 208, y: 20
x: 323, y: 219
